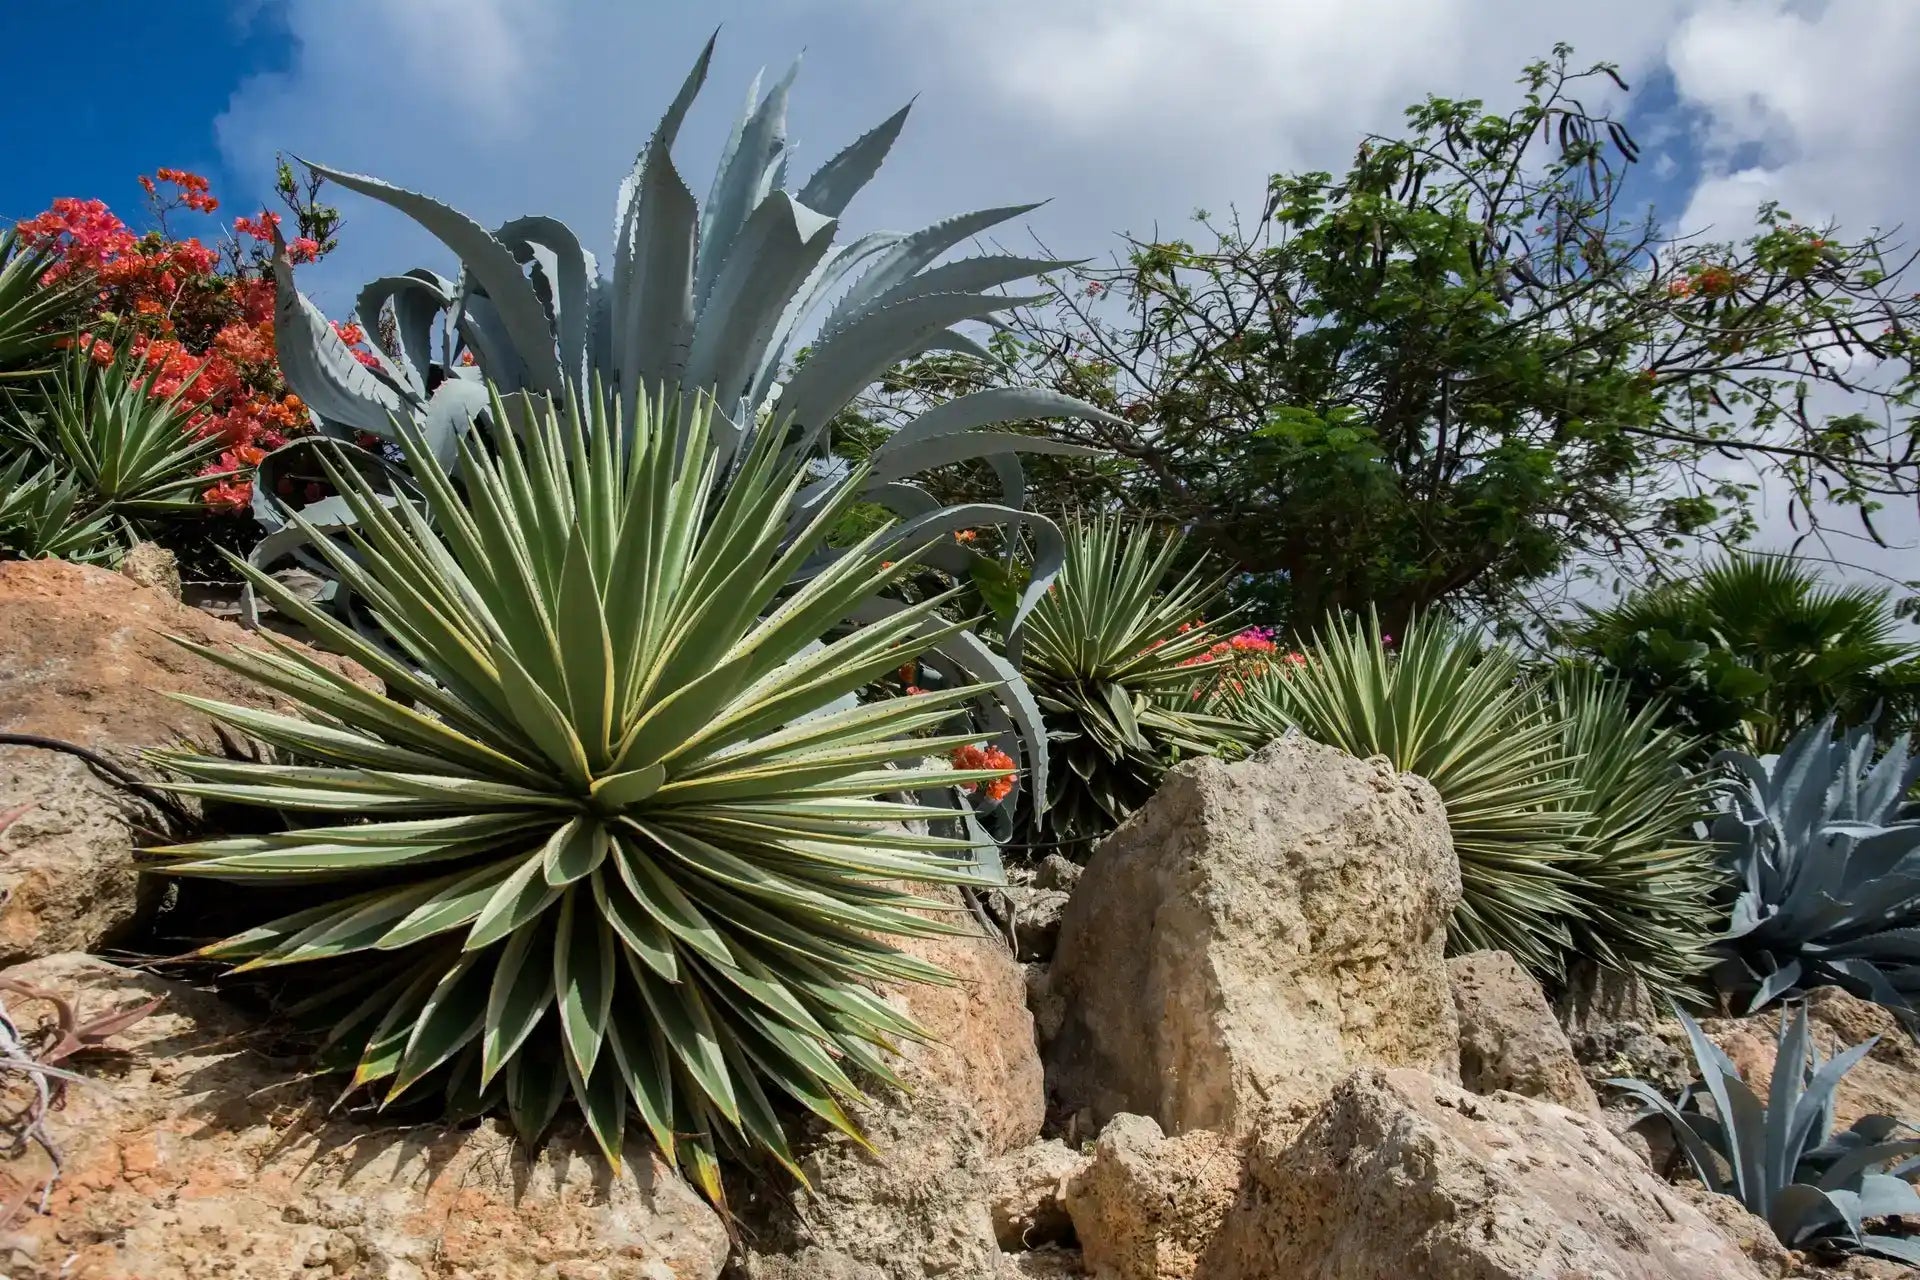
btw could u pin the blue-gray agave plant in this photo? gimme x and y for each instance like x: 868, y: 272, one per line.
x: 716, y: 299
x: 1828, y: 871
x: 1780, y: 1156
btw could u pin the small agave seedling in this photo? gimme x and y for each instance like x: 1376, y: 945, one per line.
x: 1780, y: 1157
x: 1826, y: 858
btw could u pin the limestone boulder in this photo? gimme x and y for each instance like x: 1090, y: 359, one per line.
x: 190, y: 1153
x: 1508, y: 1036
x: 1029, y: 1195
x: 85, y: 659
x: 1252, y: 934
x: 1146, y: 1207
x: 1401, y: 1174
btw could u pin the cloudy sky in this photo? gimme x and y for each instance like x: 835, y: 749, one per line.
x: 1126, y: 114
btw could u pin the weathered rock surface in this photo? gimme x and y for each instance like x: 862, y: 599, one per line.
x: 1887, y: 1080
x: 920, y: 1204
x: 84, y: 657
x: 1508, y: 1036
x: 1401, y: 1174
x: 1250, y: 935
x: 151, y: 565
x: 193, y: 1156
x: 1028, y: 1200
x: 1147, y: 1206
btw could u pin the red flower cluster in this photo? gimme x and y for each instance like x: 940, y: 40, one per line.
x: 201, y: 325
x: 986, y: 758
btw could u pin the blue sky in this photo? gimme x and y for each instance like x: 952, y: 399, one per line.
x: 1127, y: 114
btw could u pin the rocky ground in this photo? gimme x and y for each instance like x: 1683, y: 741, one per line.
x: 1231, y: 1049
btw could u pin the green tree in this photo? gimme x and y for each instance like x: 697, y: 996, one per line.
x: 1756, y: 648
x: 1464, y: 367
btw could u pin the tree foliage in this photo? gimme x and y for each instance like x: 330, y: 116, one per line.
x: 1465, y: 366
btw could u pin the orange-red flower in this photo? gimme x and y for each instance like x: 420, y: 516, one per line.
x: 971, y: 757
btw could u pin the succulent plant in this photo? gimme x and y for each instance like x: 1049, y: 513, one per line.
x: 1645, y: 884
x: 31, y: 311
x: 1108, y: 656
x: 623, y: 827
x: 1825, y: 854
x: 716, y: 300
x: 41, y: 515
x: 1780, y: 1156
x: 1460, y: 715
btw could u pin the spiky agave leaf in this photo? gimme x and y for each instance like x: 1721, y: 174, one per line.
x: 41, y: 515
x: 1459, y: 715
x: 621, y: 832
x: 1108, y: 655
x: 1780, y: 1156
x: 31, y: 311
x: 1645, y: 885
x: 1825, y: 854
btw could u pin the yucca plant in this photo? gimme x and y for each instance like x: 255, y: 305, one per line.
x: 1109, y: 654
x: 31, y: 313
x: 716, y: 300
x: 41, y: 516
x: 623, y: 829
x: 1462, y: 716
x: 1779, y: 1155
x: 1824, y: 847
x: 1645, y: 883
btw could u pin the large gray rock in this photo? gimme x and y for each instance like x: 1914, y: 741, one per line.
x: 1508, y: 1037
x: 193, y: 1155
x: 1252, y: 934
x: 1403, y: 1175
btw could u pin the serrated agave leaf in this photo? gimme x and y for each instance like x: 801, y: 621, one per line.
x: 489, y: 262
x: 907, y: 257
x: 318, y: 365
x: 416, y: 302
x: 756, y: 143
x: 771, y: 257
x: 450, y: 1018
x: 834, y: 185
x: 575, y: 268
x: 988, y: 408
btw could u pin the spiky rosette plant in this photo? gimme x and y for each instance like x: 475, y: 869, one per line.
x: 717, y: 299
x: 1110, y: 655
x: 622, y: 830
x: 1460, y: 715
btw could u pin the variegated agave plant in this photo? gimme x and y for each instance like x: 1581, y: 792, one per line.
x: 623, y: 829
x: 715, y: 300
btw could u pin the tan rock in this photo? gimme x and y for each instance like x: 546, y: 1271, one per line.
x: 1028, y: 1200
x: 1147, y: 1206
x: 151, y: 565
x: 193, y: 1155
x: 1250, y: 935
x: 1508, y: 1036
x: 918, y: 1204
x: 84, y: 658
x: 1404, y: 1175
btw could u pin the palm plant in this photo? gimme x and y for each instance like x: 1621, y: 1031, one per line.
x: 1463, y: 717
x: 1109, y: 655
x: 1755, y: 648
x: 715, y: 301
x: 623, y: 829
x: 1825, y: 853
x: 1645, y: 886
x: 1780, y: 1156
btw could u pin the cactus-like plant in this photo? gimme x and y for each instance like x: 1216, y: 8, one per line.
x: 623, y: 829
x: 1825, y: 853
x: 1109, y: 656
x: 721, y: 301
x: 41, y: 515
x: 1780, y: 1156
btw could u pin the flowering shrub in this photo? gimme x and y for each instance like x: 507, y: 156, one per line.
x: 200, y: 318
x: 986, y: 758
